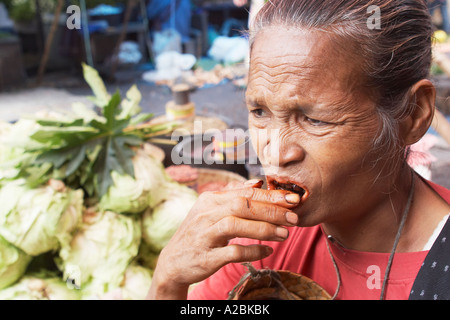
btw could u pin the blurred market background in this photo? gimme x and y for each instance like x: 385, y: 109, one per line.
x: 179, y: 60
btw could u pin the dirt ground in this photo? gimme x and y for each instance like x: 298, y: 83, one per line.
x: 59, y: 91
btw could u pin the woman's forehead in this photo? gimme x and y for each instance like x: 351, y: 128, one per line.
x: 304, y: 61
x: 279, y: 43
x: 295, y: 47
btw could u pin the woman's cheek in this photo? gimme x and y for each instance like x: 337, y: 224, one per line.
x: 259, y: 140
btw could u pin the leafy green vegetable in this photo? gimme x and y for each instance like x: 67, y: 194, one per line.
x: 133, y: 193
x: 160, y: 224
x: 13, y: 263
x: 136, y: 283
x: 101, y: 251
x: 101, y: 95
x: 40, y: 287
x: 83, y: 148
x: 54, y: 165
x: 134, y: 286
x: 126, y: 195
x: 38, y: 220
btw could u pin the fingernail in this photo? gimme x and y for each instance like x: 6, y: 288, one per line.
x: 292, y: 198
x: 268, y: 250
x: 291, y: 217
x: 282, y: 232
x: 252, y: 182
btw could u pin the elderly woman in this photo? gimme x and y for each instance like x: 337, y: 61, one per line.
x: 347, y: 95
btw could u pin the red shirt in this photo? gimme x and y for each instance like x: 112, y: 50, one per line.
x: 305, y: 252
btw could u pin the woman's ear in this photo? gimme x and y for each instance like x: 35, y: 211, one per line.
x: 415, y: 126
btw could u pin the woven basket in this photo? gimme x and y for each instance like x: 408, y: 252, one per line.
x: 277, y: 285
x: 217, y: 175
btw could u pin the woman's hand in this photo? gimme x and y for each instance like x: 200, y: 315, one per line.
x: 200, y: 246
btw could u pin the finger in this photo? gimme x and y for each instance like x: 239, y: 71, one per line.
x: 270, y: 213
x: 253, y: 183
x: 252, y: 210
x: 255, y: 210
x: 232, y: 227
x: 282, y: 198
x: 233, y: 185
x: 238, y: 253
x: 278, y: 197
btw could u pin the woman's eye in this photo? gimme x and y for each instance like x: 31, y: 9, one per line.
x: 257, y: 112
x: 316, y: 123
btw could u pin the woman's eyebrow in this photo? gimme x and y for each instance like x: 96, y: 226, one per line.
x: 293, y: 107
x: 252, y: 102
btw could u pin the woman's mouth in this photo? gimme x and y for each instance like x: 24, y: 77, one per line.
x: 276, y: 184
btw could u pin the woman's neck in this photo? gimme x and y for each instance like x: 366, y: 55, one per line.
x: 375, y: 231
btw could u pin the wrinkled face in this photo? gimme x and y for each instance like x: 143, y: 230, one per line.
x: 313, y: 124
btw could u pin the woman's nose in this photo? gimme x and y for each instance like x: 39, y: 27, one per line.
x: 281, y: 154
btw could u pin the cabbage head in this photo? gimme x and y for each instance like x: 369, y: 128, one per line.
x: 126, y: 195
x: 37, y: 220
x: 136, y: 282
x: 160, y: 223
x: 100, y: 251
x: 39, y: 287
x: 135, y: 285
x: 135, y: 194
x: 13, y: 263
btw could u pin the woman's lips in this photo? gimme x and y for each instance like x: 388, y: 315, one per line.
x: 280, y: 183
